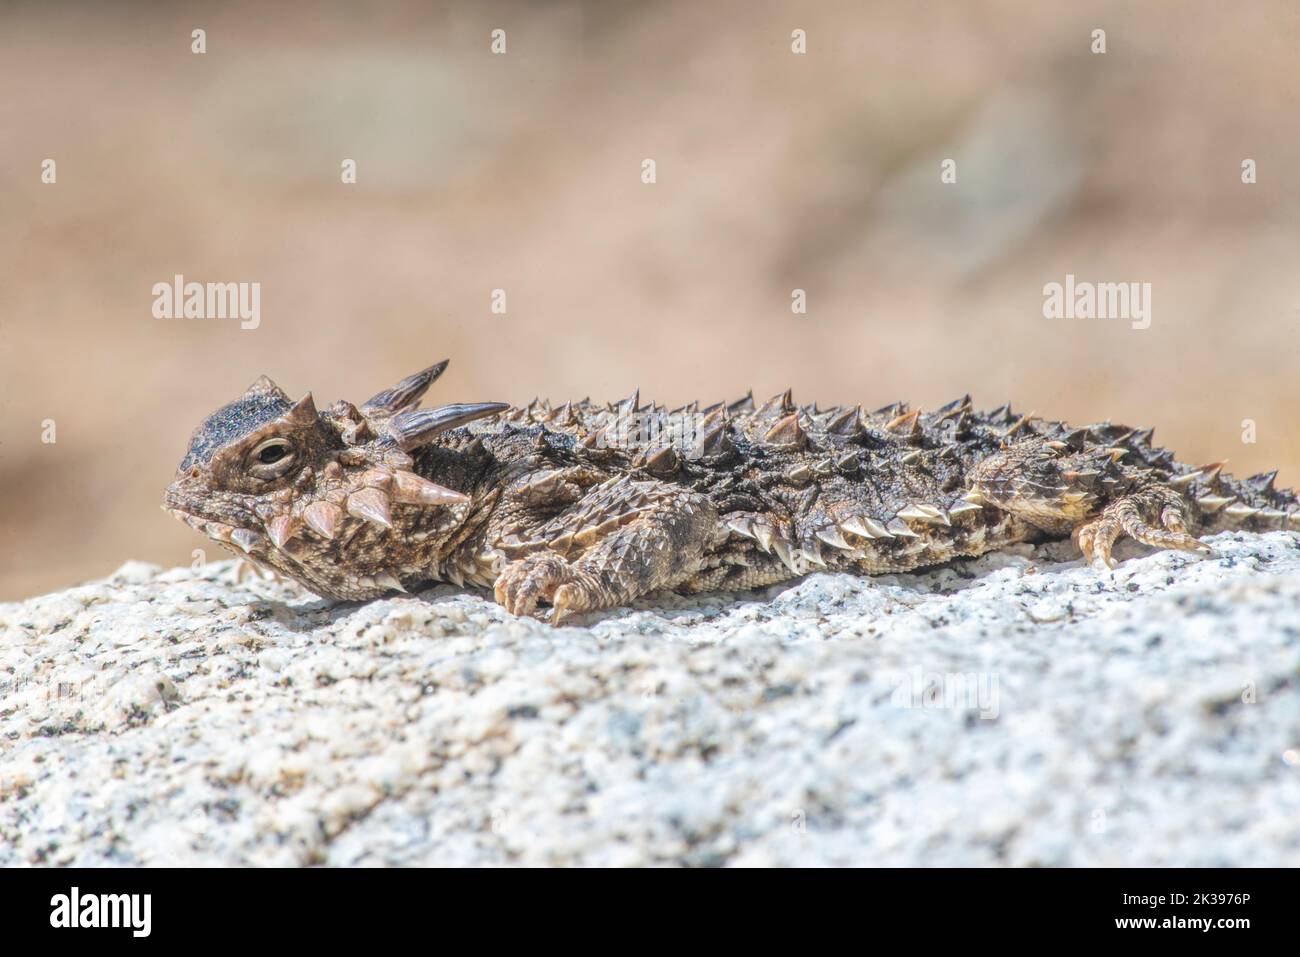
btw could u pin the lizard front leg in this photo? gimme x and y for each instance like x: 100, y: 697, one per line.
x: 623, y: 539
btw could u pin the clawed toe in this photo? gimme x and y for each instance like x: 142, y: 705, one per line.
x: 524, y: 584
x: 1097, y: 538
x: 564, y: 598
x: 1095, y: 541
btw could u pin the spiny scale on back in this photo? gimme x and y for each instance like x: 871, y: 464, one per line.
x: 587, y: 506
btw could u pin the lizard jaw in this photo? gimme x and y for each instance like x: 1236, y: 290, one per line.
x: 217, y: 531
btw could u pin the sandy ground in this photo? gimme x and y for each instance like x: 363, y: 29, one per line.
x: 1019, y: 709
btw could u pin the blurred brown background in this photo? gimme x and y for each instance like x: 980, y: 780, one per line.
x: 522, y: 172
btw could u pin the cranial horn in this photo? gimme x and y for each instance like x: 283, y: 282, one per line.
x: 415, y: 490
x: 415, y: 427
x: 405, y: 393
x: 264, y: 386
x: 302, y: 412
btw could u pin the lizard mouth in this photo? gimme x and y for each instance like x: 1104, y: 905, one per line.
x: 242, y: 538
x: 218, y: 530
x: 180, y: 505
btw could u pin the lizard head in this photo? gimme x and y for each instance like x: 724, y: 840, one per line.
x: 334, y: 500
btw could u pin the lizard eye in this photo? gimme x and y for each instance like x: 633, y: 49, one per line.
x: 271, y: 459
x: 272, y: 453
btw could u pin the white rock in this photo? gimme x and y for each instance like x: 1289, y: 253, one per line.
x: 1017, y: 709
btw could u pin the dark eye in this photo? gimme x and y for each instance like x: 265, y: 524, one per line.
x: 271, y: 459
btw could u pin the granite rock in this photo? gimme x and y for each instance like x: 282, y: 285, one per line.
x: 1017, y: 709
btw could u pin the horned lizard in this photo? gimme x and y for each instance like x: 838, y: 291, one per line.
x: 585, y: 506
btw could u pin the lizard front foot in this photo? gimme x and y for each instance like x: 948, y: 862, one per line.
x: 524, y: 583
x: 1154, y: 516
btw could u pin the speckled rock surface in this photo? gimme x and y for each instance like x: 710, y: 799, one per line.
x: 1018, y: 709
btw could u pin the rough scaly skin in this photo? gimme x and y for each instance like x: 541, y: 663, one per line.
x: 584, y: 507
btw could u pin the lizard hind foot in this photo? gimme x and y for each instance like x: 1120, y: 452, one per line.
x: 1153, y: 516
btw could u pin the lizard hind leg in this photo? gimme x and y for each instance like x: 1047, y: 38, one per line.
x: 1154, y: 516
x: 1062, y: 488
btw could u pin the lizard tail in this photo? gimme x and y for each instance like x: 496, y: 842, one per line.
x: 1229, y: 504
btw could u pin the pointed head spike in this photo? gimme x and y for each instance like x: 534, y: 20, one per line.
x: 372, y: 505
x: 411, y: 489
x: 264, y: 386
x: 323, y: 518
x: 416, y: 427
x: 302, y: 412
x: 406, y: 393
x: 280, y: 529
